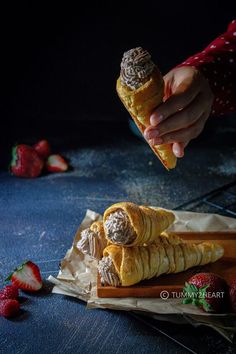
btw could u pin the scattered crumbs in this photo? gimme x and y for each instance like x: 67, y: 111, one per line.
x: 150, y: 163
x: 41, y: 235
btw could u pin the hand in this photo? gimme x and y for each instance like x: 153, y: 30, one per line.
x: 184, y: 112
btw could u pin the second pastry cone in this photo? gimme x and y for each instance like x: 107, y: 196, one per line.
x: 129, y: 224
x: 132, y: 265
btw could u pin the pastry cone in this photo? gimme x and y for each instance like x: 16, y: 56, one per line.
x: 169, y: 238
x: 141, y: 102
x: 130, y: 265
x: 93, y: 240
x: 128, y: 224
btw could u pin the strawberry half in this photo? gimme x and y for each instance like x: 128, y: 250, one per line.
x: 43, y: 148
x: 56, y: 163
x: 27, y: 277
x: 26, y: 162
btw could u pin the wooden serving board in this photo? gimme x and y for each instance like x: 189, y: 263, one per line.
x: 173, y: 283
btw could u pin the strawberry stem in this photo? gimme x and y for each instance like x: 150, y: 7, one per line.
x: 196, y: 296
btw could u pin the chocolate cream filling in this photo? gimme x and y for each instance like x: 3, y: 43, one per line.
x: 90, y: 243
x: 119, y: 229
x: 136, y: 68
x: 107, y: 272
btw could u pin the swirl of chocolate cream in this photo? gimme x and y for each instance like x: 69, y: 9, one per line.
x: 119, y: 229
x: 91, y: 243
x: 136, y: 68
x: 107, y: 272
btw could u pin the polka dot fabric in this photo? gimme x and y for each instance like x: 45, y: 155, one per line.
x: 217, y: 62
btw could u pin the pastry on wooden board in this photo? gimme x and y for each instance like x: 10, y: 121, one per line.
x: 126, y: 266
x: 126, y: 224
x: 129, y: 224
x: 132, y: 244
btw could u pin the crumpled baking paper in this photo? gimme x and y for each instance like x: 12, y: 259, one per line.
x: 78, y: 278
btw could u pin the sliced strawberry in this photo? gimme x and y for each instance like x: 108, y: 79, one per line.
x: 9, y: 307
x: 26, y: 162
x: 43, y: 148
x: 27, y: 277
x: 56, y: 163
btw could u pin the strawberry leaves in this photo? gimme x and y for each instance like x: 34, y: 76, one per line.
x: 196, y: 296
x: 208, y: 291
x: 14, y: 156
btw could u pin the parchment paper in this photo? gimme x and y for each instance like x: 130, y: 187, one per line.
x: 78, y: 278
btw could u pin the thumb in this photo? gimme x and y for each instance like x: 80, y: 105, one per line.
x: 168, y: 89
x: 177, y: 81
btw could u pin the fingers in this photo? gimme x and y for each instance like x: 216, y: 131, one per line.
x: 185, y: 134
x: 178, y: 149
x: 184, y: 118
x: 174, y: 104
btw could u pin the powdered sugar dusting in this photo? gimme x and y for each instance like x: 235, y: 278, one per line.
x: 226, y: 168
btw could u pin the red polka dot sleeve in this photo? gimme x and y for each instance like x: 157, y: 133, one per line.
x: 218, y: 64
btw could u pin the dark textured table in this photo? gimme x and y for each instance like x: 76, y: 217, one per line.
x: 39, y: 219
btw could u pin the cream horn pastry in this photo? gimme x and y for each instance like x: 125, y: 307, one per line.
x: 140, y: 87
x: 93, y: 240
x: 129, y: 224
x: 169, y: 238
x: 125, y: 266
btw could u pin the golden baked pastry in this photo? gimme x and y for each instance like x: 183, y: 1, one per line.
x: 129, y: 224
x: 169, y: 238
x: 125, y: 266
x: 141, y: 89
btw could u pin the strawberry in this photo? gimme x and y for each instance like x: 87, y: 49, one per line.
x: 207, y: 291
x: 232, y: 295
x: 26, y: 162
x: 9, y: 307
x: 9, y: 292
x: 43, y: 148
x: 27, y: 277
x: 56, y: 163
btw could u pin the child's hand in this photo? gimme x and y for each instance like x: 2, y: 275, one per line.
x: 182, y: 116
